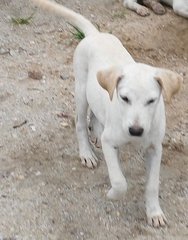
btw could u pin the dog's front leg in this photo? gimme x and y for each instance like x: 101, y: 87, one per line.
x: 154, y: 213
x: 139, y: 9
x: 118, y: 181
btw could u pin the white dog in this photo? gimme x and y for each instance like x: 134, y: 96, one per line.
x: 126, y: 101
x: 180, y: 7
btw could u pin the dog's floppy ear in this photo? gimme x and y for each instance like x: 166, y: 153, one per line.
x: 169, y: 81
x: 109, y: 78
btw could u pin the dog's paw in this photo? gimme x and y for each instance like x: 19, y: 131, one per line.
x: 89, y: 159
x: 156, y: 219
x: 158, y: 9
x: 116, y: 193
x: 96, y: 141
x: 142, y: 11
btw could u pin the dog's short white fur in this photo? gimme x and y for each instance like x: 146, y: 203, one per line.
x: 180, y: 7
x: 126, y: 101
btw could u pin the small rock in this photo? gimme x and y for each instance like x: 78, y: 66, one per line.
x: 118, y: 213
x: 36, y: 75
x: 38, y: 173
x: 64, y: 77
x: 33, y: 128
x: 32, y: 42
x: 20, y: 177
x: 64, y: 124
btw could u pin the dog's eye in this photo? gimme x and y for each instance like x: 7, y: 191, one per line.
x: 125, y: 99
x: 150, y: 101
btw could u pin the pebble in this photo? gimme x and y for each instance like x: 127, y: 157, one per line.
x: 33, y: 128
x: 64, y: 124
x: 38, y: 173
x: 35, y: 74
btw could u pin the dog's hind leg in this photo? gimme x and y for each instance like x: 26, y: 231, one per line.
x: 87, y: 156
x: 96, y: 129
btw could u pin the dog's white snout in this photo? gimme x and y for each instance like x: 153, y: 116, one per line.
x: 136, y: 131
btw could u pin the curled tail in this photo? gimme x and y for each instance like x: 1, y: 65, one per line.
x: 72, y: 17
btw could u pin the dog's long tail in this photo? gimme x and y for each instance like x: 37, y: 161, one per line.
x: 72, y: 17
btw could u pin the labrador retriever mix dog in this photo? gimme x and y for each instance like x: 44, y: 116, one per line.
x: 180, y: 7
x: 126, y: 103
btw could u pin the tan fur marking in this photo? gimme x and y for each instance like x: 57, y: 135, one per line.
x: 108, y: 79
x: 170, y: 82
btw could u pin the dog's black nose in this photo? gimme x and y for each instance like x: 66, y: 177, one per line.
x: 136, y: 131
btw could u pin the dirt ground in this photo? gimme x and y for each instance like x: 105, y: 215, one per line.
x: 45, y: 193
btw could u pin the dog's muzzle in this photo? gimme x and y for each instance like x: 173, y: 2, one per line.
x: 136, y: 131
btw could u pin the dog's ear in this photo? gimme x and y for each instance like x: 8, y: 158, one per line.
x: 109, y: 78
x: 169, y: 81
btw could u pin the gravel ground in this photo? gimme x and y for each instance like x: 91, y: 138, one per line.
x: 45, y: 193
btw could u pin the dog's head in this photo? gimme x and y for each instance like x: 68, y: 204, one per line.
x: 137, y: 90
